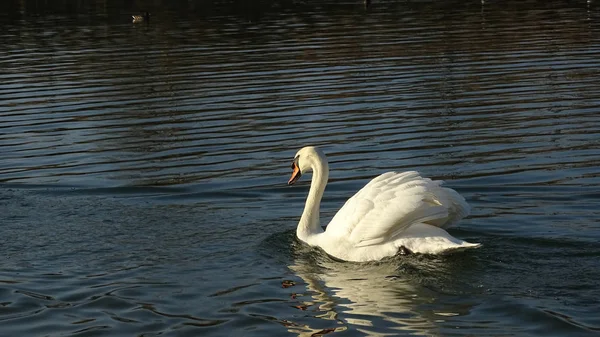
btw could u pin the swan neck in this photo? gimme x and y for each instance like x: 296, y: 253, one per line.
x: 309, y: 224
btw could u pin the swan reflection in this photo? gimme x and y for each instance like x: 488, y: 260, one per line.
x: 374, y: 299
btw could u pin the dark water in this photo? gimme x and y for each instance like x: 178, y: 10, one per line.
x: 143, y: 166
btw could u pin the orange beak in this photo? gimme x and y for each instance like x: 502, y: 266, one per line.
x: 295, y: 174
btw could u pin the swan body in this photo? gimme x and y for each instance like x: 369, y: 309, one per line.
x: 394, y: 212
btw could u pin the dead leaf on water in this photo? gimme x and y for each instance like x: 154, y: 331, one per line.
x: 288, y: 283
x: 301, y: 306
x: 322, y: 332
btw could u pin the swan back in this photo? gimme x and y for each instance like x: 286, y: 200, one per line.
x: 392, y: 202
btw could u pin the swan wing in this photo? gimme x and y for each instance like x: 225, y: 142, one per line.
x: 391, y: 203
x: 457, y: 206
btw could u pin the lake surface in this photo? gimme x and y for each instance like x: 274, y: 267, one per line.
x: 143, y: 167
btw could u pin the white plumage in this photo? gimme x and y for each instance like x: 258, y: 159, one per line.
x: 394, y: 211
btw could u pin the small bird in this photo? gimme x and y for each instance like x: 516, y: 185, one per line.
x: 141, y: 18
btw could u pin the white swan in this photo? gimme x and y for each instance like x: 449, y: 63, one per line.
x: 394, y: 212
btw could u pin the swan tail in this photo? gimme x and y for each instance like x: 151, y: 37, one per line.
x: 427, y: 239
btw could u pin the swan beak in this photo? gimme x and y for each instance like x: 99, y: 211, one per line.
x: 295, y: 174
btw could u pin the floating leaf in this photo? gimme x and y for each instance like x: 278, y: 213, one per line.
x: 301, y: 306
x: 322, y: 332
x: 288, y: 283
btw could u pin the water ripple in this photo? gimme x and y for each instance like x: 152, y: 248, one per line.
x: 143, y: 166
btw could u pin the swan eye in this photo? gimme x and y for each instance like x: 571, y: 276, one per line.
x: 295, y: 163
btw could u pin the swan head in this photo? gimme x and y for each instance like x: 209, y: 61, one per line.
x: 305, y: 161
